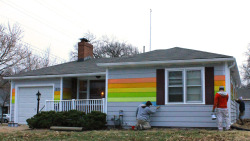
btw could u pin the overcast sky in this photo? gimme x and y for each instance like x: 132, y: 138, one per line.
x: 219, y: 26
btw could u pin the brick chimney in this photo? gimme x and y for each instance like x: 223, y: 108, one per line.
x: 85, y: 50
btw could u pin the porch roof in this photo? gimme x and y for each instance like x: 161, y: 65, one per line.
x: 90, y: 66
x: 69, y: 68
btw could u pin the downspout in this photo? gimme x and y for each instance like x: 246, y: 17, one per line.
x: 232, y: 65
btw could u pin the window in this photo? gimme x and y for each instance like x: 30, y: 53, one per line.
x: 194, y: 87
x: 97, y: 89
x: 82, y: 89
x: 175, y: 86
x: 185, y: 85
x: 91, y: 89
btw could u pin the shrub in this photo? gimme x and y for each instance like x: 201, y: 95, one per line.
x: 95, y: 120
x: 52, y: 118
x: 41, y: 120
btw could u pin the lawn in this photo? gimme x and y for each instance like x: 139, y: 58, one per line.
x: 107, y: 135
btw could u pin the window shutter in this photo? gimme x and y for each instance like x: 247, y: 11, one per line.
x: 209, y: 85
x: 160, y: 87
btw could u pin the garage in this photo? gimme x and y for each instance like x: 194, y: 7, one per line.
x: 27, y: 101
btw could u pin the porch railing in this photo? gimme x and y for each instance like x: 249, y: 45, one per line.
x: 84, y: 105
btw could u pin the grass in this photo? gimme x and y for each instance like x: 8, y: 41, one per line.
x: 113, y: 135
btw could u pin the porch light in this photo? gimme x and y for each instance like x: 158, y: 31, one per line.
x: 102, y: 93
x: 38, y: 95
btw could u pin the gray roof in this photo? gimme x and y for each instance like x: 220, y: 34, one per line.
x: 244, y: 92
x: 90, y: 66
x: 175, y: 53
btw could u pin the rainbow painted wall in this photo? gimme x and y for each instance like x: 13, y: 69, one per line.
x: 13, y: 96
x: 132, y: 90
x: 219, y: 80
x: 56, y: 95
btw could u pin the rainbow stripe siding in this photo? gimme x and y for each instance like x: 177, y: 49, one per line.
x: 57, y: 95
x: 13, y: 96
x: 132, y: 90
x: 219, y: 80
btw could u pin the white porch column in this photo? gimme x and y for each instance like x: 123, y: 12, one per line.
x: 11, y: 85
x: 106, y: 91
x: 61, y: 94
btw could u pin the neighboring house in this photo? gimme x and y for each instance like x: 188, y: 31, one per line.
x: 182, y: 81
x: 245, y: 93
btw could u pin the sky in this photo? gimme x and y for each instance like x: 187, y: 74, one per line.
x: 217, y: 26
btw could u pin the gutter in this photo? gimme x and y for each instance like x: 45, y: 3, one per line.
x: 238, y: 77
x: 55, y: 76
x: 143, y: 63
x: 232, y: 65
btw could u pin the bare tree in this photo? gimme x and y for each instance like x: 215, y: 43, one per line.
x: 11, y: 50
x: 34, y: 61
x: 246, y: 68
x: 106, y: 47
x: 16, y: 57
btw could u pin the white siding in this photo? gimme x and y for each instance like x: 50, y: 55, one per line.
x: 166, y: 116
x: 31, y: 82
x: 27, y: 101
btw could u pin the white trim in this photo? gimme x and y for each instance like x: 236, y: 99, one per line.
x: 11, y: 85
x: 184, y: 85
x: 106, y: 92
x: 166, y: 86
x: 61, y: 88
x: 203, y: 82
x: 164, y: 62
x: 184, y: 74
x: 228, y: 89
x: 56, y: 76
x: 17, y: 95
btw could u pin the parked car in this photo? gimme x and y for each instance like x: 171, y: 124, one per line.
x: 6, y: 118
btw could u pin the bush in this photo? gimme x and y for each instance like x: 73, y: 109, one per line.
x: 92, y: 121
x: 46, y: 119
x: 41, y: 120
x: 95, y: 120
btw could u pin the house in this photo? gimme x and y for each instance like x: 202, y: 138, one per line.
x: 245, y: 93
x: 182, y: 81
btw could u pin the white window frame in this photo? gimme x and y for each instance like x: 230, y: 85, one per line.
x: 184, y: 70
x: 88, y: 85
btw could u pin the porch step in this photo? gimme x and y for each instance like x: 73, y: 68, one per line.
x: 61, y: 128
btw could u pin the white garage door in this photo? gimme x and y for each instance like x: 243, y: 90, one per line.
x: 27, y: 101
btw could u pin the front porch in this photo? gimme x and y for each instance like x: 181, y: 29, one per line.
x: 86, y: 93
x: 84, y: 105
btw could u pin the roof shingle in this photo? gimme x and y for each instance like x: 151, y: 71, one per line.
x: 90, y: 66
